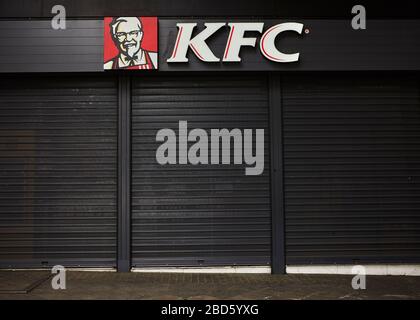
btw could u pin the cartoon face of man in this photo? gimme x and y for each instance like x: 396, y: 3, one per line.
x: 127, y: 33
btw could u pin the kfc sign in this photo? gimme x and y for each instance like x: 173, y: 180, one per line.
x: 130, y: 43
x: 235, y: 40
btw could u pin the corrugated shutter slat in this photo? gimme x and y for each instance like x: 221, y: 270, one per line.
x: 352, y: 169
x: 206, y: 214
x: 58, y: 153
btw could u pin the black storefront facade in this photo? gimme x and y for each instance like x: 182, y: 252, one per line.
x: 80, y: 185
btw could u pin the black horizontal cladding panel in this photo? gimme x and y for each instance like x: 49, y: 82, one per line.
x: 221, y: 8
x: 34, y: 46
x: 190, y: 215
x: 58, y: 149
x: 325, y: 45
x: 352, y: 169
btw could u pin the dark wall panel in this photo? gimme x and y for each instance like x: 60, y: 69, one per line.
x: 189, y: 215
x: 330, y: 45
x: 352, y: 168
x: 34, y: 46
x: 286, y: 8
x: 58, y: 142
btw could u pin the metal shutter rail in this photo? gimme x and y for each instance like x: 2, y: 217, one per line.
x: 58, y: 140
x: 206, y: 214
x: 352, y: 169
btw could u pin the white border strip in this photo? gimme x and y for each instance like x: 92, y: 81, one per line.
x: 380, y: 270
x: 205, y: 270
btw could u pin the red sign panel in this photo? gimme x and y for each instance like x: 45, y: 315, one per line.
x: 131, y: 43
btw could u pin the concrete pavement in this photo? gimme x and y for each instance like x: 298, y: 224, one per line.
x: 180, y: 286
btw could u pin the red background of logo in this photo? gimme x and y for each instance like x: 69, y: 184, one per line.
x: 149, y: 42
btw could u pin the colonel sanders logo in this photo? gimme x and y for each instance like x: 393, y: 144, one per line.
x: 130, y: 43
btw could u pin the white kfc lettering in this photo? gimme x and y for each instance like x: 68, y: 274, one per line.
x: 268, y: 47
x: 198, y: 44
x: 235, y: 41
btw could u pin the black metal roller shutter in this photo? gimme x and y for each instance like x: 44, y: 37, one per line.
x: 58, y: 153
x: 190, y: 215
x: 352, y: 169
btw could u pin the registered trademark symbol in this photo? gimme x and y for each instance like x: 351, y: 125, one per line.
x: 307, y: 31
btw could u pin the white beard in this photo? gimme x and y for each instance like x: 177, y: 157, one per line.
x: 132, y: 51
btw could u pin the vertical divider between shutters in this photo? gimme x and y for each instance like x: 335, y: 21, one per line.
x: 124, y: 174
x: 277, y: 179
